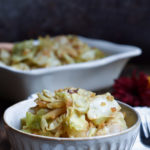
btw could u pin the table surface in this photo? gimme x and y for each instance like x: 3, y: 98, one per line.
x: 4, y: 143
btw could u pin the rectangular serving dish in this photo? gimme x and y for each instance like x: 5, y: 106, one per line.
x: 94, y: 75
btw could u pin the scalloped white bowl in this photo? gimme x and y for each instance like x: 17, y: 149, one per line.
x: 93, y: 75
x: 24, y: 141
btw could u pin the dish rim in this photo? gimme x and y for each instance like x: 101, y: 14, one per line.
x: 136, y: 125
x: 121, y: 54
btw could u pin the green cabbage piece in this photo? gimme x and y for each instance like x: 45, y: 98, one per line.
x: 32, y: 121
x: 80, y: 103
x: 99, y: 121
x: 75, y: 121
x: 23, y: 51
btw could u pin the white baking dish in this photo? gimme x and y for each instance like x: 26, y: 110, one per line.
x: 93, y: 75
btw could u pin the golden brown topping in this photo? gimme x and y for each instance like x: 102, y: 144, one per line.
x: 103, y: 103
x: 68, y: 103
x: 41, y: 104
x: 110, y: 98
x: 113, y: 109
x: 91, y: 125
x: 26, y: 52
x: 101, y: 126
x: 93, y: 94
x: 46, y: 53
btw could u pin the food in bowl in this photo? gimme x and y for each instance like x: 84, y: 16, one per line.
x: 49, y: 52
x: 22, y: 140
x: 74, y: 112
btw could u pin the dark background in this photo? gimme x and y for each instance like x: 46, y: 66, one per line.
x: 121, y: 21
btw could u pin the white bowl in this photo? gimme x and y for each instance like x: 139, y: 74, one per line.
x: 93, y: 75
x: 24, y: 141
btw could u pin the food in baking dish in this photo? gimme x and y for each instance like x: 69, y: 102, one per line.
x: 49, y: 52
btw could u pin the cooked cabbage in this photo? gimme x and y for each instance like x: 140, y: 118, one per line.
x: 73, y: 112
x: 49, y: 52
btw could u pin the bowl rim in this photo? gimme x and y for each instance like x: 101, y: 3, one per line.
x: 126, y: 51
x: 136, y: 125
